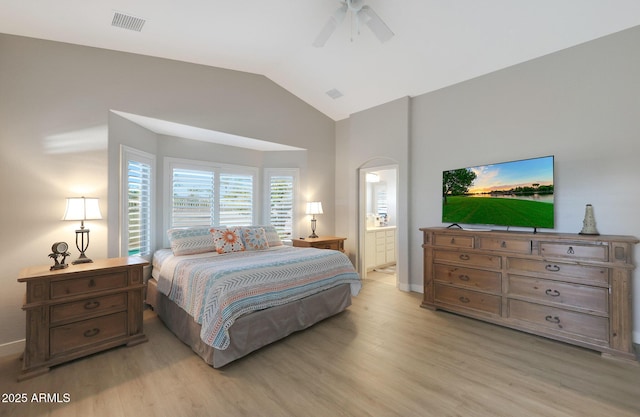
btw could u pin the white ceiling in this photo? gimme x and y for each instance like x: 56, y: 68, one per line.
x: 437, y: 42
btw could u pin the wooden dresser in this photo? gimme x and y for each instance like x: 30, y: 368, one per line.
x: 568, y: 287
x: 322, y: 242
x: 80, y: 310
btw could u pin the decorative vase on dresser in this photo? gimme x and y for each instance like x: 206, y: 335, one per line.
x: 80, y: 310
x: 568, y: 287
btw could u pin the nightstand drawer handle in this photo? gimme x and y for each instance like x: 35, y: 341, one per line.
x: 464, y: 300
x: 90, y: 305
x: 463, y: 277
x: 552, y: 293
x: 552, y: 268
x: 555, y: 320
x: 91, y: 333
x: 464, y: 257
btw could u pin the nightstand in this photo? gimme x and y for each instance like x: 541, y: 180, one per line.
x: 81, y: 310
x: 323, y: 242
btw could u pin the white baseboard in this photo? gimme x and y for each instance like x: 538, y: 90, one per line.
x: 12, y: 348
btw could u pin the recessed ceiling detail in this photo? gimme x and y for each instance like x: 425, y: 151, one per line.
x: 126, y: 21
x: 334, y: 93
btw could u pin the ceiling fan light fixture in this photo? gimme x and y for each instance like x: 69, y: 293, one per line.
x: 361, y: 13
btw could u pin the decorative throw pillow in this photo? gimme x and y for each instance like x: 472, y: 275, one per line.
x: 227, y: 240
x: 273, y: 239
x: 189, y: 241
x: 254, y: 238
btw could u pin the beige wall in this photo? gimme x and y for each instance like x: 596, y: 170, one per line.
x: 55, y: 102
x: 580, y: 104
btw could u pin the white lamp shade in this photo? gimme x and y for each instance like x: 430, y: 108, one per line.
x: 314, y: 207
x: 81, y: 208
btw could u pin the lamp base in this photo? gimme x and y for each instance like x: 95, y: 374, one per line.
x: 84, y: 260
x: 314, y: 235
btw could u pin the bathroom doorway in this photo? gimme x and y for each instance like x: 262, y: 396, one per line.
x: 378, y: 219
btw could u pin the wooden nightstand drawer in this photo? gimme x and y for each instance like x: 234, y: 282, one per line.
x: 323, y: 242
x: 87, y: 332
x: 68, y: 287
x: 90, y: 307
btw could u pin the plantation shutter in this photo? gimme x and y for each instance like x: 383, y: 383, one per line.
x: 138, y: 211
x: 192, y: 202
x: 236, y: 200
x: 281, y: 204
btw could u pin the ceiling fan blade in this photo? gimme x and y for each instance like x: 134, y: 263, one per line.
x: 334, y: 21
x: 377, y: 26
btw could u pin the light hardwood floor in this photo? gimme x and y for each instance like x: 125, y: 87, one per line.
x: 385, y: 356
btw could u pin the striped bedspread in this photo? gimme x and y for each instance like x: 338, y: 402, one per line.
x: 217, y: 289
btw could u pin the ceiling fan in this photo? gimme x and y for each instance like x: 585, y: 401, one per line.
x: 361, y: 13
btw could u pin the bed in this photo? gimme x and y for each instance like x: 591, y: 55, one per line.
x: 227, y: 292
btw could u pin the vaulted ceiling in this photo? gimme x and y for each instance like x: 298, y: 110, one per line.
x: 437, y: 42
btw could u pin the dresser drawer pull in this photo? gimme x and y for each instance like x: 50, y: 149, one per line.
x: 552, y: 268
x: 570, y: 251
x: 90, y: 305
x: 503, y: 244
x: 463, y: 277
x: 92, y: 283
x: 464, y: 299
x: 464, y: 257
x: 554, y: 320
x: 453, y: 240
x: 552, y: 293
x: 91, y: 333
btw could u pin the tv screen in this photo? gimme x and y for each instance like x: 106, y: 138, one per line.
x: 516, y: 193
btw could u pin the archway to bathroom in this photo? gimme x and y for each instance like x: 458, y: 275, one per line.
x: 378, y: 221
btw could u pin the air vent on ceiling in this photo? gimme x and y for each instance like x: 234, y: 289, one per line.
x: 126, y: 21
x: 334, y: 93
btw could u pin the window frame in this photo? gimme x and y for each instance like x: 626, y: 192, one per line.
x: 273, y: 172
x: 128, y: 154
x: 170, y: 163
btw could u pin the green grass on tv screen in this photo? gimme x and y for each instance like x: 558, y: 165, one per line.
x: 497, y: 211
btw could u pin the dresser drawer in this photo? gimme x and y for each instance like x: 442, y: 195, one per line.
x: 465, y: 277
x: 454, y: 241
x: 590, y: 299
x: 505, y: 245
x: 84, y: 285
x: 557, y: 320
x: 328, y: 245
x: 470, y: 259
x: 575, y: 251
x: 87, y: 332
x: 487, y: 303
x: 93, y: 306
x: 581, y: 273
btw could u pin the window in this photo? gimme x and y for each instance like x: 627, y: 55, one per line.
x: 192, y: 198
x: 236, y: 199
x: 209, y: 194
x: 137, y: 200
x: 281, y: 185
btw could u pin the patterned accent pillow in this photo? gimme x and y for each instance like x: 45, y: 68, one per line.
x: 189, y: 241
x: 227, y: 240
x: 254, y: 238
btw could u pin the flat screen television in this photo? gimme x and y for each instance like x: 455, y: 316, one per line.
x: 515, y: 193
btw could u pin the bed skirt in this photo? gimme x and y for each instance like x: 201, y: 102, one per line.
x: 252, y: 331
